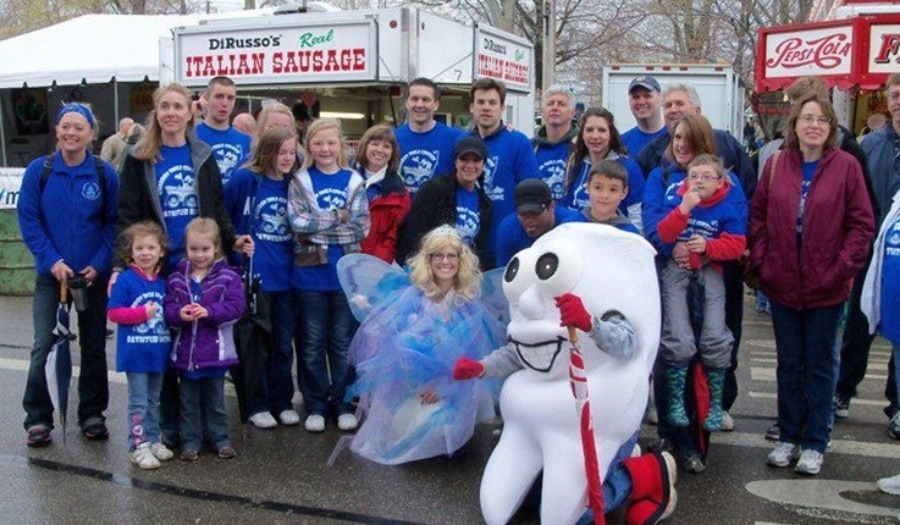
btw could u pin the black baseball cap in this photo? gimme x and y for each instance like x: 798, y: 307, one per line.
x: 645, y: 81
x: 532, y: 196
x: 470, y: 145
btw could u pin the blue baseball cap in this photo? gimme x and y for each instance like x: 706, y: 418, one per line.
x: 644, y: 81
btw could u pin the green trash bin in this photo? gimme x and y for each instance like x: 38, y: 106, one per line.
x: 16, y: 262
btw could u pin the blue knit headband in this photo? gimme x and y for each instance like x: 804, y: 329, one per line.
x: 76, y: 108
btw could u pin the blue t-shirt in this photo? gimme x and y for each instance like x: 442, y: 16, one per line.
x: 551, y: 165
x: 229, y: 147
x: 635, y: 139
x: 577, y: 197
x: 890, y: 284
x: 331, y: 193
x: 177, y: 197
x: 809, y: 170
x: 424, y: 156
x: 273, y: 256
x: 143, y: 347
x: 468, y: 222
x: 511, y: 236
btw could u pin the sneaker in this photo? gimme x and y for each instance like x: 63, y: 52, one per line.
x: 890, y: 485
x: 841, y: 406
x: 727, y: 422
x: 143, y: 457
x: 189, y: 454
x: 95, y: 431
x: 39, y: 436
x: 810, y: 463
x: 693, y: 464
x: 773, y: 433
x: 347, y: 422
x: 894, y: 426
x: 226, y: 452
x: 289, y: 417
x: 263, y: 420
x: 782, y: 455
x: 314, y: 423
x: 161, y: 452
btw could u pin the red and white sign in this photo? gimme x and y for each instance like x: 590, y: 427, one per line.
x: 333, y: 52
x: 824, y: 51
x: 884, y: 48
x: 503, y: 58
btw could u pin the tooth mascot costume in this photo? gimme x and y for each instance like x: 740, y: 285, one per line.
x: 610, y: 278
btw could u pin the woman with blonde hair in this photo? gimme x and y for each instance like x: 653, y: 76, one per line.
x: 406, y: 347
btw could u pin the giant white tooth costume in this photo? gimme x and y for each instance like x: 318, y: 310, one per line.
x: 610, y: 270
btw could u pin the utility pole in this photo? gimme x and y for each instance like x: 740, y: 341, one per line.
x: 549, y: 49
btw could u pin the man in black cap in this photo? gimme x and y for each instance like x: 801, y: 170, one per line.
x: 644, y: 99
x: 536, y: 214
x: 457, y: 199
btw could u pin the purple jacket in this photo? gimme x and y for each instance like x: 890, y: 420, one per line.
x: 207, y: 342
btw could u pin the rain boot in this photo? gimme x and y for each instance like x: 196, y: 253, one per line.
x: 653, y: 497
x: 715, y: 378
x: 675, y: 379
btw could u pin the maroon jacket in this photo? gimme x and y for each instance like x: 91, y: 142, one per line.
x: 838, y: 226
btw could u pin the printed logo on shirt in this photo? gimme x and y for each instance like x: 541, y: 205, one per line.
x: 893, y: 240
x: 490, y: 170
x: 467, y: 224
x: 705, y: 229
x: 672, y: 192
x: 553, y: 172
x: 332, y: 199
x: 90, y: 191
x: 153, y: 330
x: 176, y: 192
x: 227, y: 157
x: 417, y: 167
x: 270, y: 219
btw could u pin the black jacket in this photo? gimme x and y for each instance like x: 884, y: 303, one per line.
x: 434, y: 205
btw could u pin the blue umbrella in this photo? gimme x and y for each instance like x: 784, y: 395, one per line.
x: 58, y: 368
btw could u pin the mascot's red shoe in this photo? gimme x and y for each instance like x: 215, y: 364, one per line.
x: 653, y: 497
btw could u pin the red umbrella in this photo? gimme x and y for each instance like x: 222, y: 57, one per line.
x: 578, y: 381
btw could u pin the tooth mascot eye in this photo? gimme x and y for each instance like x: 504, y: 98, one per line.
x: 612, y: 277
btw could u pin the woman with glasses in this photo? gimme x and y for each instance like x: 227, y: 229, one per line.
x: 811, y: 225
x: 406, y: 347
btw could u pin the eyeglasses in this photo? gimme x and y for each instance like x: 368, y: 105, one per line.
x: 704, y: 178
x: 444, y: 256
x: 821, y: 119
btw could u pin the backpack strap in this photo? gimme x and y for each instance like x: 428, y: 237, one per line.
x: 101, y: 178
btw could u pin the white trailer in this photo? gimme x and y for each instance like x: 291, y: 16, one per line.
x: 357, y: 62
x: 720, y: 90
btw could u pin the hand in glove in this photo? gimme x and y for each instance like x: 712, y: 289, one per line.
x: 572, y: 312
x: 467, y: 368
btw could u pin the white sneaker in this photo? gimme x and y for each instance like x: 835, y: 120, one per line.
x: 810, y: 462
x: 263, y: 420
x: 783, y: 454
x: 144, y: 458
x: 347, y: 422
x: 727, y: 422
x: 161, y: 452
x: 314, y: 423
x: 289, y: 417
x: 890, y: 485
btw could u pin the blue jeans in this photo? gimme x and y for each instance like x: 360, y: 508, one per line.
x: 143, y: 407
x: 276, y: 386
x: 805, y: 341
x: 93, y: 386
x: 327, y: 326
x: 203, y: 412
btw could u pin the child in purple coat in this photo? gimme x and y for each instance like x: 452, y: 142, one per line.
x: 204, y: 298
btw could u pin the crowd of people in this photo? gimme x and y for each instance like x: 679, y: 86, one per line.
x: 170, y: 211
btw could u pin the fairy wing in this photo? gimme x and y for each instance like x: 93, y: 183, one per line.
x: 368, y: 280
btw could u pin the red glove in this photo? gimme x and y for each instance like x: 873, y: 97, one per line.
x: 572, y: 312
x: 467, y: 368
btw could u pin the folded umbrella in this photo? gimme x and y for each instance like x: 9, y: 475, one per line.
x: 58, y: 367
x: 252, y: 339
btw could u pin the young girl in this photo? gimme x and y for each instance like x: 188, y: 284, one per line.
x: 204, y: 298
x: 713, y: 229
x: 328, y: 211
x: 256, y: 198
x: 379, y: 159
x: 143, y: 342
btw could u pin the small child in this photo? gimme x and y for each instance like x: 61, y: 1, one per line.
x: 713, y: 230
x: 204, y: 298
x: 607, y: 187
x: 143, y: 342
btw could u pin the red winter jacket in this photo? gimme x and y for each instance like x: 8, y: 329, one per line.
x: 386, y: 213
x: 838, y: 226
